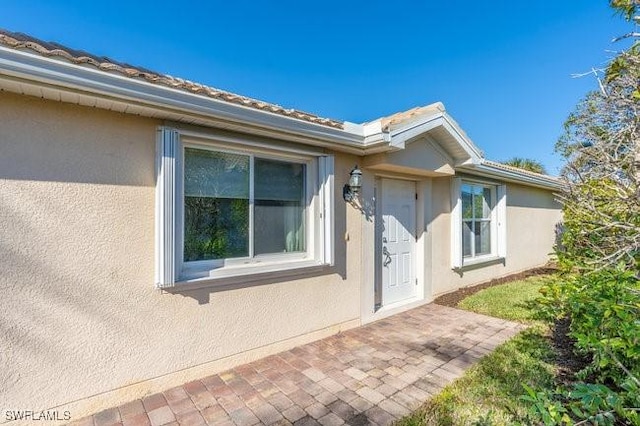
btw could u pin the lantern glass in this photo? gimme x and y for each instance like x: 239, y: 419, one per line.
x: 355, y: 180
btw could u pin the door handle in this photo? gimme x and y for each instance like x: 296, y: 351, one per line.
x: 387, y: 259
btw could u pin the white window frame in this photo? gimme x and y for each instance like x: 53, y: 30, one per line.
x: 498, y: 233
x: 172, y: 270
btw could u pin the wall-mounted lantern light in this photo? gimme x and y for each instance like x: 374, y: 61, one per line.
x: 352, y: 189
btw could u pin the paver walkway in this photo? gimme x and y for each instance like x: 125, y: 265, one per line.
x: 371, y: 375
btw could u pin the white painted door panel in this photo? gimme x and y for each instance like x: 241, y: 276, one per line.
x: 398, y: 215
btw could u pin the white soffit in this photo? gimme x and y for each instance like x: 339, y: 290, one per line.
x: 30, y: 74
x: 442, y: 129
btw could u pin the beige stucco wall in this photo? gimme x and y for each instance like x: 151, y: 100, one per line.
x: 80, y: 317
x: 532, y: 215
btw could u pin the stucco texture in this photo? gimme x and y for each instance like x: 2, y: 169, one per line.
x: 80, y: 315
x: 532, y: 216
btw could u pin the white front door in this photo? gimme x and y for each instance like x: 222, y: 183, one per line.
x: 398, y: 240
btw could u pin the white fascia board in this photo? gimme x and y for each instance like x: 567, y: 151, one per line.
x: 440, y: 119
x: 353, y: 128
x: 35, y: 69
x: 400, y: 136
x: 375, y: 140
x: 467, y: 144
x: 512, y: 176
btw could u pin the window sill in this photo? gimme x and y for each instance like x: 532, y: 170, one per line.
x: 241, y: 276
x: 481, y: 262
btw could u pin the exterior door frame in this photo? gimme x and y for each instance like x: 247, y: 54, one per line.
x: 371, y: 244
x: 380, y: 303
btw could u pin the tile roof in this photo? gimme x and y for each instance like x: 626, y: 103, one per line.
x: 497, y: 165
x: 25, y: 42
x: 404, y: 117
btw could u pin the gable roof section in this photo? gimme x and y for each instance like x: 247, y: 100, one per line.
x: 434, y: 121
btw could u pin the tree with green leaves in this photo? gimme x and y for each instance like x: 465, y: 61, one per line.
x: 601, y: 195
x: 526, y: 164
x: 599, y: 291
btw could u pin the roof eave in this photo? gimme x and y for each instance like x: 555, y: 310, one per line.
x: 484, y: 169
x: 56, y: 74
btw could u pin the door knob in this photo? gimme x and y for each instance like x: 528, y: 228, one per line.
x: 387, y: 259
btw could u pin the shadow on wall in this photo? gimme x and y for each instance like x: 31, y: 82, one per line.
x: 533, y: 198
x: 55, y: 142
x: 203, y: 295
x: 53, y: 320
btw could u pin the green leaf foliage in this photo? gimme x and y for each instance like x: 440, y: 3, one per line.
x: 526, y: 164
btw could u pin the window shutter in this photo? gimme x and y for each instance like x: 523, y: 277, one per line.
x: 456, y: 224
x: 168, y: 143
x: 325, y: 179
x: 501, y: 218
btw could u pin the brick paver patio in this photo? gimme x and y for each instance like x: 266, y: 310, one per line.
x: 371, y: 375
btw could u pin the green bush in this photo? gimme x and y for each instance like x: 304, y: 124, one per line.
x: 604, y: 308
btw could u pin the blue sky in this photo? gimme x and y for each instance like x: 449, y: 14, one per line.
x: 502, y: 68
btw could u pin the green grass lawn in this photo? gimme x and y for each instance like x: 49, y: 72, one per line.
x: 507, y: 301
x: 488, y: 393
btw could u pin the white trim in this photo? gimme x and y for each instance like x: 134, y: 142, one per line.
x: 58, y: 74
x: 319, y: 228
x: 452, y: 127
x: 501, y: 220
x: 327, y: 218
x: 252, y: 204
x: 400, y: 136
x: 481, y: 261
x: 61, y: 80
x: 245, y: 142
x: 456, y: 223
x: 487, y: 170
x: 498, y: 221
x: 168, y: 143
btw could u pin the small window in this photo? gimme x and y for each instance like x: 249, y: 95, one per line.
x: 477, y: 205
x: 478, y: 222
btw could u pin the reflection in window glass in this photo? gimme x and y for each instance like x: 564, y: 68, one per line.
x: 467, y: 202
x: 221, y: 211
x: 486, y: 203
x: 279, y: 215
x: 476, y: 219
x: 482, y: 237
x: 467, y: 231
x: 216, y: 197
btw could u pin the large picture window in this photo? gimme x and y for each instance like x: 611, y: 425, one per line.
x: 230, y: 210
x: 224, y: 218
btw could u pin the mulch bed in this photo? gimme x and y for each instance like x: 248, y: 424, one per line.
x: 568, y: 362
x: 452, y: 299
